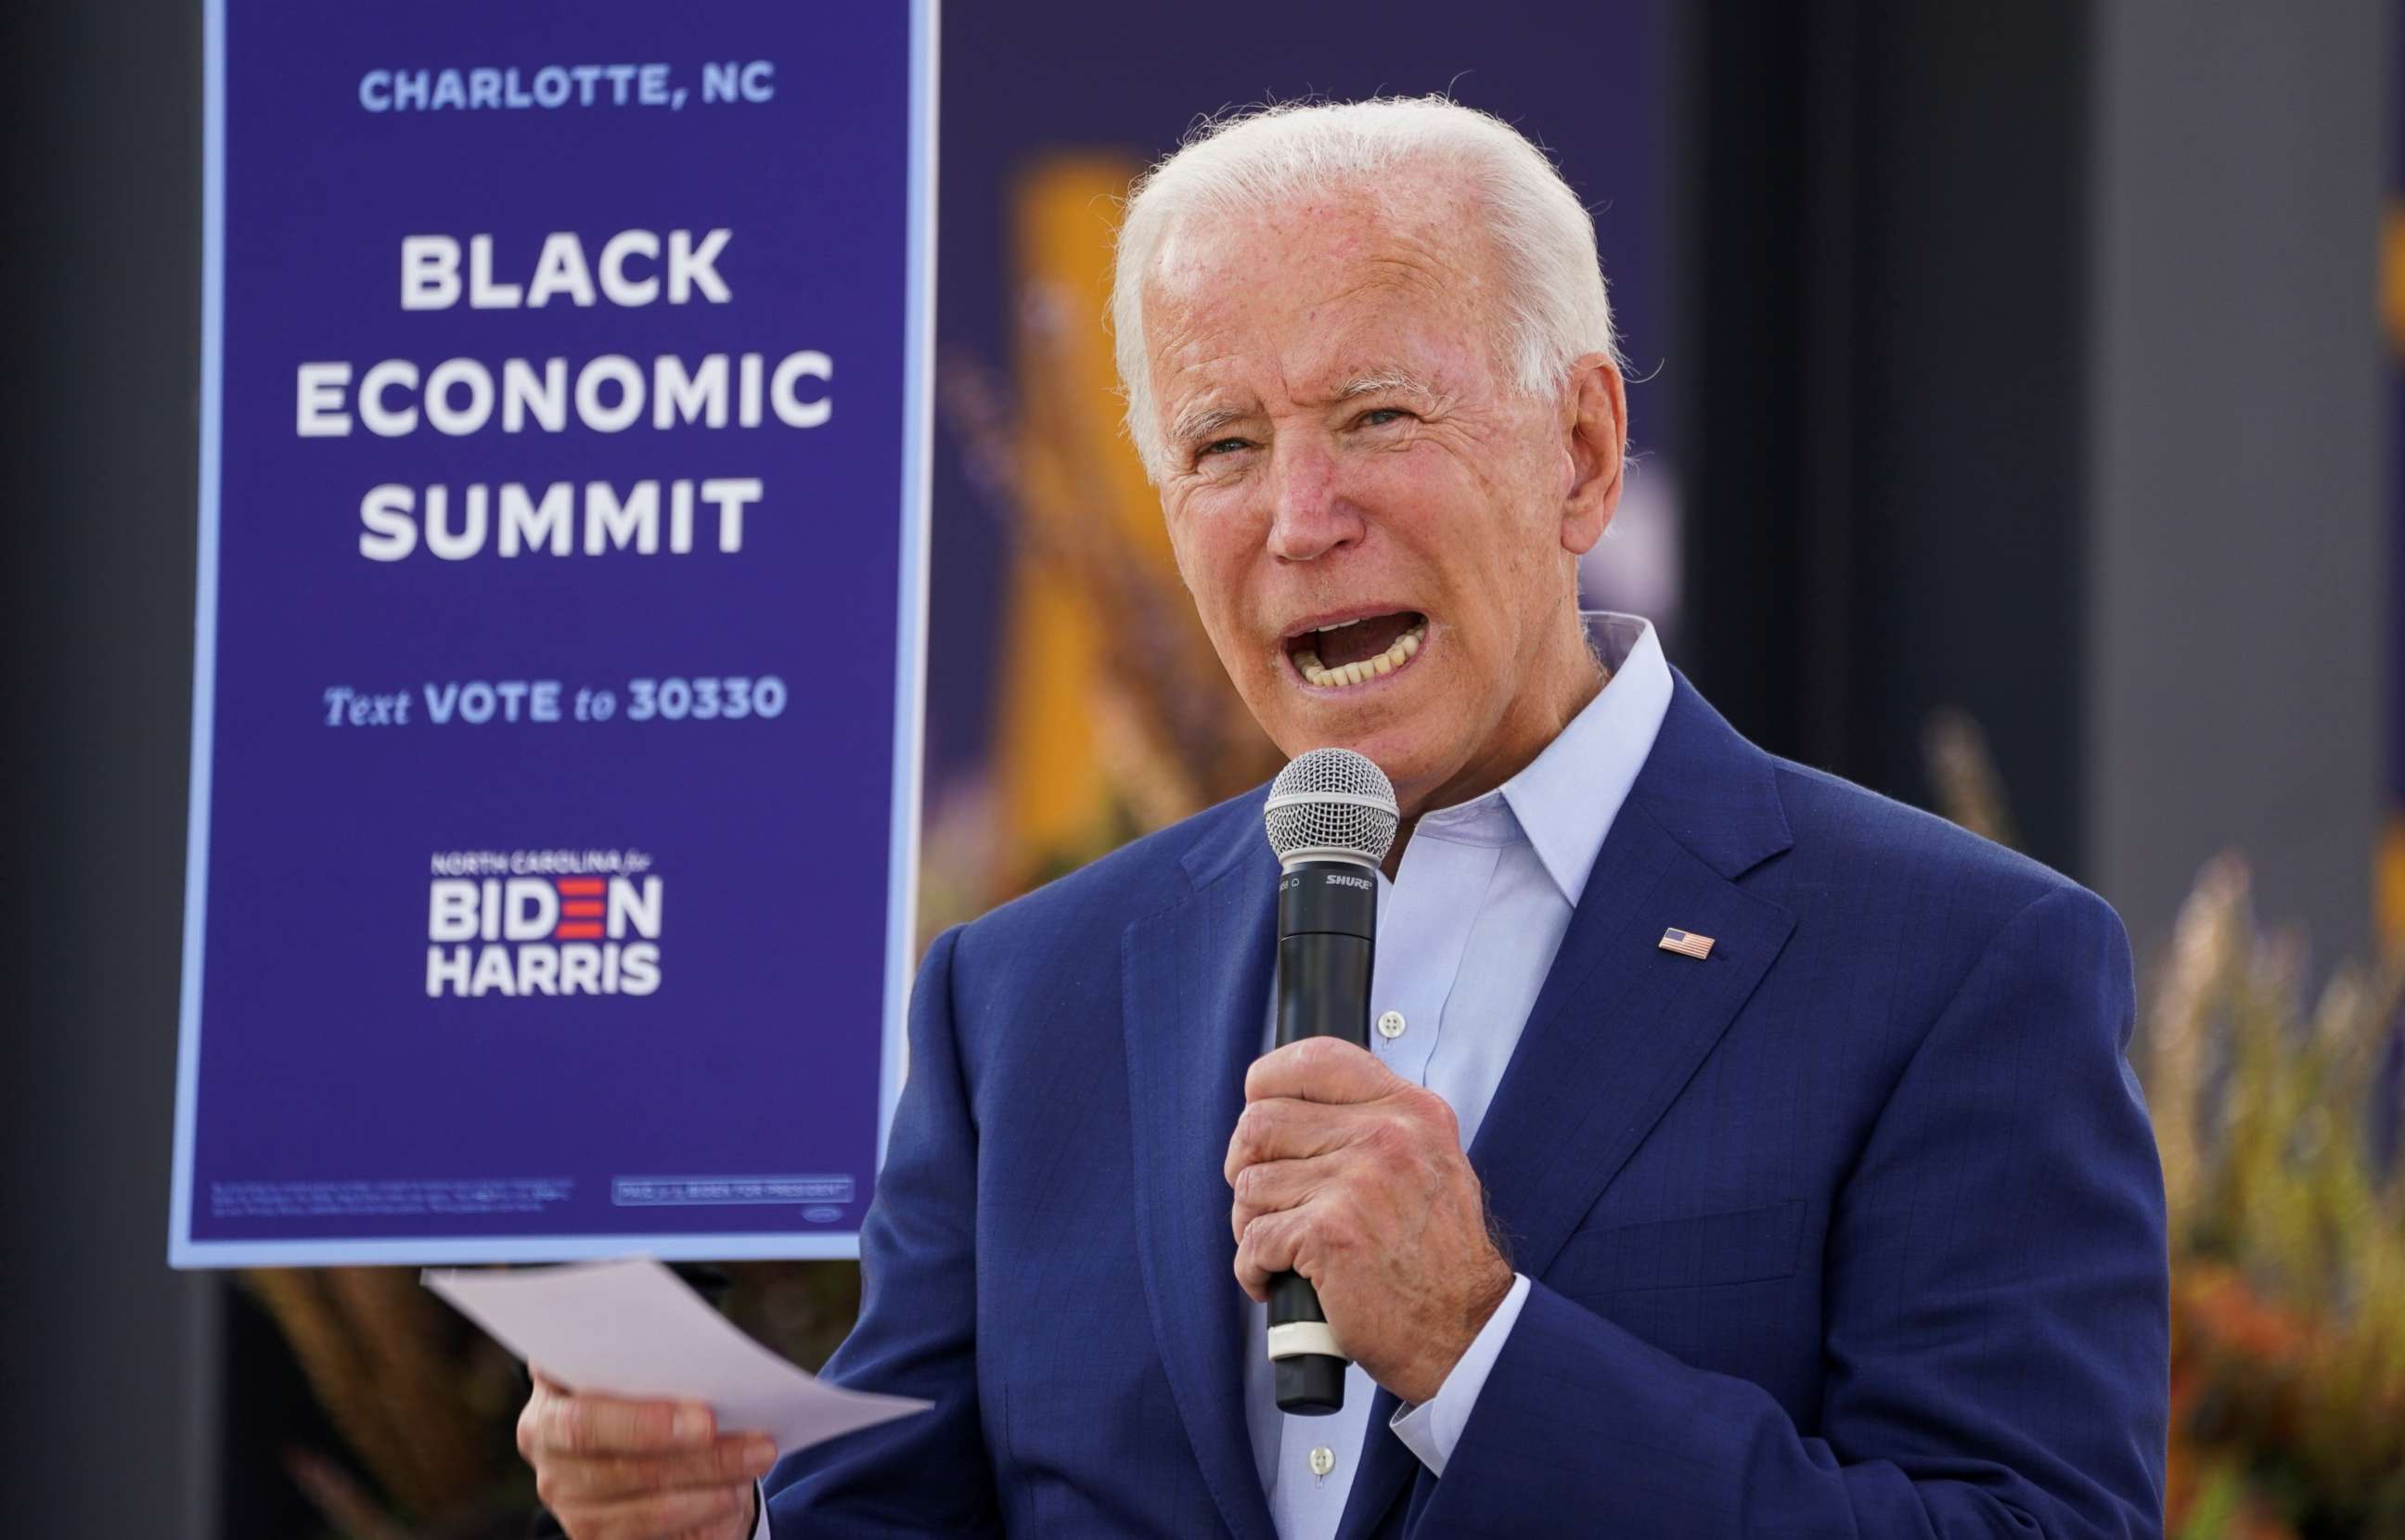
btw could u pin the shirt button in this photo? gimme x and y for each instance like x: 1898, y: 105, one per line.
x: 1323, y: 1460
x: 1390, y: 1026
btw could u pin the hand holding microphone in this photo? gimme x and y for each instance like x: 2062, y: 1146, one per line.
x: 1357, y: 1216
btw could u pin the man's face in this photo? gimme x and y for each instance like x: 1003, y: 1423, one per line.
x: 1380, y: 534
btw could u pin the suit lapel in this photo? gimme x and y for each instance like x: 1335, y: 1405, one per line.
x: 1197, y: 979
x: 1618, y: 1030
x: 1621, y: 1025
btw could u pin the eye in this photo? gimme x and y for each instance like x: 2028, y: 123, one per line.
x: 1222, y: 446
x: 1379, y: 416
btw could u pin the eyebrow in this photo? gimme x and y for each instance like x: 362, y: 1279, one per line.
x: 1390, y: 378
x: 1202, y: 422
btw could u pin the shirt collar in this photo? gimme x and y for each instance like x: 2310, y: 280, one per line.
x: 1564, y: 802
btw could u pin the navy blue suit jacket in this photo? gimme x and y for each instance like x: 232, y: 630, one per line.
x: 1853, y: 1229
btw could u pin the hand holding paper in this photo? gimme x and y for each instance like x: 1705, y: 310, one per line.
x: 610, y: 1469
x: 629, y: 1330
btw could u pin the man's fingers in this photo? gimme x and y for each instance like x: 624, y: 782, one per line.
x: 1286, y: 1129
x: 598, y: 1424
x: 1267, y: 1248
x: 1320, y: 1068
x: 711, y: 1511
x: 1269, y: 1186
x: 611, y: 1477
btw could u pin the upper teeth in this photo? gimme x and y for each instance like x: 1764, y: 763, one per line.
x: 1307, y: 660
x: 1341, y: 624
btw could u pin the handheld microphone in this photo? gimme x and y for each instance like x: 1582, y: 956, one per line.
x: 1331, y: 817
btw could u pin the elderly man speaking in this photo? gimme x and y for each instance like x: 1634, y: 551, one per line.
x: 1842, y: 1218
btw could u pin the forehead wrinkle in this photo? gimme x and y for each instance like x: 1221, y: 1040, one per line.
x: 1194, y: 379
x: 1409, y: 275
x: 1398, y: 260
x: 1379, y: 277
x: 1415, y: 255
x: 1416, y: 265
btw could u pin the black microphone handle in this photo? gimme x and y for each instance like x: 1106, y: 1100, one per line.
x: 1328, y: 924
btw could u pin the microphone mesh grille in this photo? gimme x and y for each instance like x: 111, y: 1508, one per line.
x: 1331, y: 803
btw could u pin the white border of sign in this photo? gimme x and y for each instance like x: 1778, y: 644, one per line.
x: 909, y: 709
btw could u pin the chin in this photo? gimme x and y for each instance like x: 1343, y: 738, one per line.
x: 1410, y: 764
x: 1391, y: 741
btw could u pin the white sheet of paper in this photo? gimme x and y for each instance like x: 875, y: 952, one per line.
x: 629, y: 1327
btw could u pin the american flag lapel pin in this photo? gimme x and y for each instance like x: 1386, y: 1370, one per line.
x: 1687, y: 943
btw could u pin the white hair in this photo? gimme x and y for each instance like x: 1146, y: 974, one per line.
x: 1551, y: 294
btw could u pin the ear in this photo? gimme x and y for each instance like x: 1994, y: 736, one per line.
x: 1594, y: 433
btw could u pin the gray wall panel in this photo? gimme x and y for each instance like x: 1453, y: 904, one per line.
x: 2239, y: 533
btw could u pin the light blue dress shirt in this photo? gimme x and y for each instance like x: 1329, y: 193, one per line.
x: 1467, y: 931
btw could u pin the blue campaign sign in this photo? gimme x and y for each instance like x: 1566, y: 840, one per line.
x: 560, y: 618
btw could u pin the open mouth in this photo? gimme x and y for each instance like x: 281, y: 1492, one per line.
x: 1355, y: 652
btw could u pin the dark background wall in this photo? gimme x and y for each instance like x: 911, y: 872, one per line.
x: 1887, y: 433
x: 110, y: 1385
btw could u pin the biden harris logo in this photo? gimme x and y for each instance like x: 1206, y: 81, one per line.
x: 545, y: 923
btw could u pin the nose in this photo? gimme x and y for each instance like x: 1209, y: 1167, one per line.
x: 1309, y: 514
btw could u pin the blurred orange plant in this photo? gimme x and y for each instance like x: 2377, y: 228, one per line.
x: 2288, y: 1223
x: 2279, y: 1126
